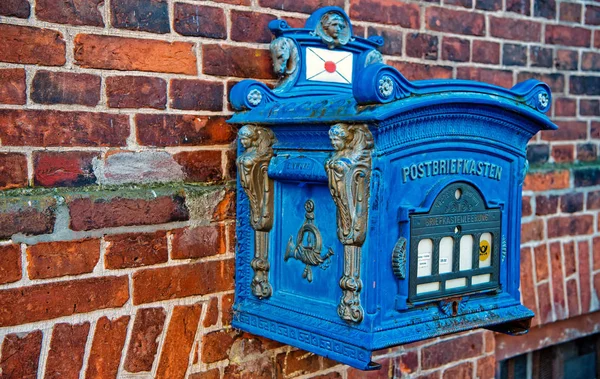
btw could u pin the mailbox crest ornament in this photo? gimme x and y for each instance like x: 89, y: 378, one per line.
x: 406, y: 195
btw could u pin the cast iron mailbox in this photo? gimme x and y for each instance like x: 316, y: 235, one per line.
x: 373, y: 211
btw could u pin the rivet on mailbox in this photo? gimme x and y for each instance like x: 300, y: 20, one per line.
x: 373, y: 211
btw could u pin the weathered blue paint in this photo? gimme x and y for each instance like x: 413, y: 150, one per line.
x: 413, y: 123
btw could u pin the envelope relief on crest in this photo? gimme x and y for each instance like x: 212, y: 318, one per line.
x: 328, y: 65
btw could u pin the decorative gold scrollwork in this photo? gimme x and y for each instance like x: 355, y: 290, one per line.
x: 349, y: 174
x: 252, y: 167
x: 308, y: 245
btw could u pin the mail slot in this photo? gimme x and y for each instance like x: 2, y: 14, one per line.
x: 373, y: 211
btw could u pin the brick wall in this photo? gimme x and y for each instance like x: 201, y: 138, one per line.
x: 116, y: 166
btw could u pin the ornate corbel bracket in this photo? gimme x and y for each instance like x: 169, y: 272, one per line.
x: 349, y: 175
x: 252, y: 167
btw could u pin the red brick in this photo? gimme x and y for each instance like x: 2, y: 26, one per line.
x: 198, y: 242
x: 569, y: 258
x: 568, y: 36
x: 463, y: 371
x: 486, y: 52
x: 200, y: 21
x: 519, y: 6
x: 143, y: 15
x: 48, y: 301
x: 105, y: 353
x: 573, y: 298
x: 526, y: 209
x: 423, y: 46
x: 307, y: 6
x: 545, y: 303
x: 386, y: 12
x: 13, y: 170
x: 56, y: 128
x: 596, y: 254
x: 147, y: 328
x: 597, y: 38
x: 486, y: 367
x: 555, y: 81
x: 201, y: 166
x: 454, y: 21
x: 67, y: 346
x: 567, y: 130
x: 563, y: 153
x: 583, y: 250
x: 592, y: 16
x: 541, y: 262
x: 118, y: 53
x: 135, y: 250
x: 23, y: 44
x: 225, y: 210
x: 297, y: 362
x: 65, y: 88
x: 88, y: 214
x: 27, y: 217
x: 216, y: 345
x: 243, y: 62
x: 73, y: 12
x: 136, y: 92
x: 463, y: 347
x: 15, y: 8
x: 12, y: 86
x: 590, y: 61
x: 570, y: 12
x: 63, y: 169
x: 178, y: 342
x: 20, y: 355
x: 567, y: 59
x: 392, y: 40
x: 54, y: 259
x: 456, y: 49
x: 543, y: 181
x: 10, y: 263
x: 210, y: 374
x: 174, y: 130
x: 227, y: 309
x: 558, y: 293
x: 196, y: 95
x: 532, y: 231
x: 181, y: 281
x: 570, y: 226
x: 407, y: 363
x: 546, y: 205
x: 565, y: 107
x: 527, y: 285
x: 593, y: 201
x: 212, y: 313
x: 515, y: 29
x: 250, y: 26
x: 597, y: 286
x: 417, y: 71
x: 500, y: 78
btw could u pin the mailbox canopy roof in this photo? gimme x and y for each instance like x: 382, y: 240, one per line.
x: 328, y: 77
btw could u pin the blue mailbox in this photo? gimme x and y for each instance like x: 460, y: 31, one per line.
x: 373, y: 211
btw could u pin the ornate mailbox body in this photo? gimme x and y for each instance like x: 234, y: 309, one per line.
x: 374, y: 211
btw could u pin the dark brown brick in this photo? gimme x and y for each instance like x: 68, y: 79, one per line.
x: 179, y: 341
x: 243, y: 62
x: 136, y: 92
x: 563, y: 153
x: 456, y: 49
x: 144, y: 15
x: 538, y: 153
x: 119, y: 53
x: 308, y: 6
x: 568, y: 36
x: 67, y: 346
x: 555, y: 81
x: 12, y: 86
x: 57, y: 128
x: 52, y: 300
x: 198, y: 242
x: 462, y: 347
x: 392, y: 40
x: 589, y: 107
x: 54, y: 259
x: 30, y: 217
x: 172, y: 282
x: 500, y: 78
x: 565, y: 107
x: 15, y: 8
x: 544, y: 8
x: 568, y: 130
x: 546, y: 204
x: 486, y: 52
x: 573, y: 297
x: 63, y: 169
x: 424, y: 46
x: 135, y: 250
x: 515, y: 29
x: 73, y: 12
x: 518, y: 6
x: 147, y: 328
x: 174, y: 130
x: 571, y: 202
x: 454, y: 21
x: 23, y: 44
x: 200, y: 21
x: 108, y: 342
x: 88, y: 214
x: 460, y: 3
x: 201, y: 166
x: 526, y: 209
x: 592, y: 14
x: 386, y: 12
x: 540, y: 56
x: 10, y: 263
x: 21, y: 355
x: 250, y: 26
x: 587, y: 152
x: 595, y: 129
x: 584, y: 85
x: 586, y: 177
x: 590, y: 61
x: 417, y: 71
x: 13, y: 170
x: 488, y: 5
x: 570, y: 12
x: 570, y: 226
x: 196, y: 95
x: 567, y: 59
x: 514, y: 55
x: 593, y: 202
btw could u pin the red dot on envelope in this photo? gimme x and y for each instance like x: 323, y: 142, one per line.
x: 330, y: 66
